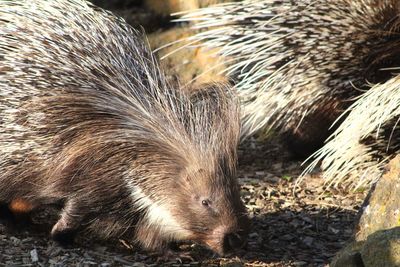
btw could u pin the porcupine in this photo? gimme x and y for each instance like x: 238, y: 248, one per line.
x: 89, y: 121
x: 296, y: 64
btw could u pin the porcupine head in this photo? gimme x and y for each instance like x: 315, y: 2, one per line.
x: 197, y: 197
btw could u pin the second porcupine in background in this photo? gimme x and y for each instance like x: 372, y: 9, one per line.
x: 299, y: 64
x: 89, y: 121
x: 294, y: 60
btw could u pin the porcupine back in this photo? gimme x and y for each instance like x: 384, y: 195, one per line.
x: 299, y: 64
x: 80, y: 76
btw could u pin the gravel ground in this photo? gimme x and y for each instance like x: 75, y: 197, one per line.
x: 302, y: 227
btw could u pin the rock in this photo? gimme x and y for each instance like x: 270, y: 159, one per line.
x: 34, y: 255
x: 382, y: 210
x: 382, y: 248
x: 299, y: 263
x: 308, y: 241
x: 377, y: 234
x: 190, y: 63
x: 350, y: 256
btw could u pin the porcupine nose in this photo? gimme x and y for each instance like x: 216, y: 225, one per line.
x: 233, y: 241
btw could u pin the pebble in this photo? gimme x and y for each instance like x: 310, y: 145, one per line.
x: 299, y: 263
x: 308, y: 241
x: 253, y: 235
x: 34, y: 255
x: 15, y: 240
x: 122, y: 260
x: 333, y: 230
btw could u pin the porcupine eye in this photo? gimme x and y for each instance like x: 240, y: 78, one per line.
x: 205, y: 203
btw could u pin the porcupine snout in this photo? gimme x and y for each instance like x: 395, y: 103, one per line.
x: 228, y: 238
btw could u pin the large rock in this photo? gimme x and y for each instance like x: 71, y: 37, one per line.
x: 377, y: 237
x: 382, y: 248
x: 350, y: 256
x: 382, y: 209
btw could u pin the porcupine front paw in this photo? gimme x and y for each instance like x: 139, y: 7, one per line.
x: 65, y: 229
x: 65, y: 237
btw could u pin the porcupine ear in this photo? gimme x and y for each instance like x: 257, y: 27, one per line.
x: 211, y: 91
x: 218, y: 102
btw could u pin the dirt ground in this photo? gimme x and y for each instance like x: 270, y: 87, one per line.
x: 302, y: 227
